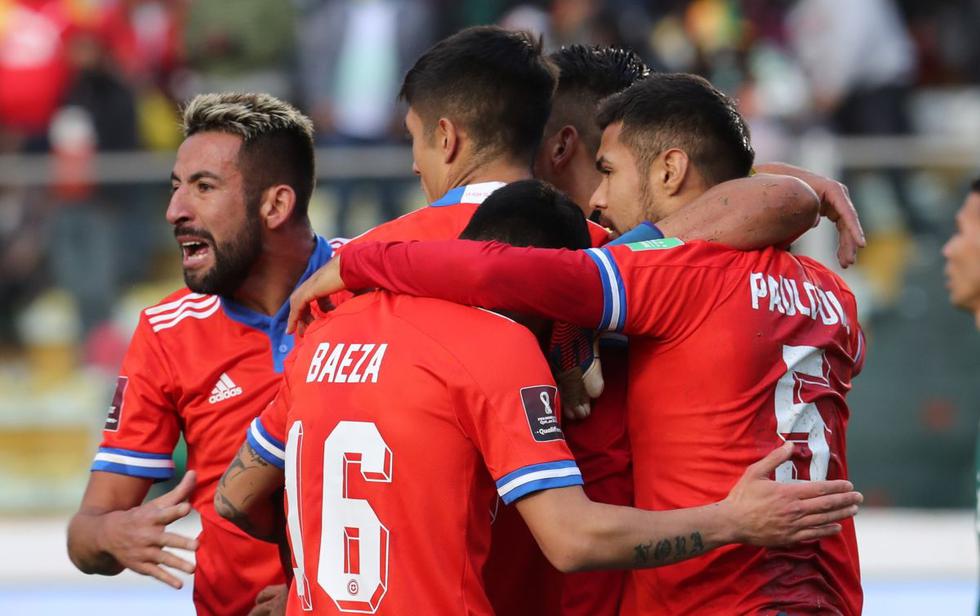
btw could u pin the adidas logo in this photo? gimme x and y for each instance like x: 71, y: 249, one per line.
x: 225, y: 388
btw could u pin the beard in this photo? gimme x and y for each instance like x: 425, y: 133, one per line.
x: 233, y: 260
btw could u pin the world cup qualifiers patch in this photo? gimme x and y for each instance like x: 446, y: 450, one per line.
x: 540, y: 406
x: 114, y: 416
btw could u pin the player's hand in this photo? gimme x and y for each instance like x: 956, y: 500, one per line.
x: 271, y: 601
x: 136, y: 537
x: 322, y: 283
x: 575, y: 401
x: 768, y: 513
x: 835, y: 204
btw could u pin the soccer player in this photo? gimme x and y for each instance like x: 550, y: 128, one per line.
x: 962, y: 253
x: 207, y: 359
x: 730, y: 352
x: 478, y: 103
x: 402, y: 418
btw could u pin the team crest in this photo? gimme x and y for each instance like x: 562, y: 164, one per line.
x: 114, y: 416
x: 541, y: 406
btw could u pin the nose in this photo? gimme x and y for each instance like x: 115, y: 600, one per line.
x: 948, y: 247
x: 598, y: 200
x: 415, y: 168
x: 177, y: 210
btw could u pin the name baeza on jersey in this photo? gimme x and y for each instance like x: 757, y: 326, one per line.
x: 784, y: 296
x: 345, y: 363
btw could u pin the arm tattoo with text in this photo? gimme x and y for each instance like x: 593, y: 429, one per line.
x: 664, y: 551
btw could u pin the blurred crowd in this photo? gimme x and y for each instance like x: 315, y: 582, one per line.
x: 82, y: 77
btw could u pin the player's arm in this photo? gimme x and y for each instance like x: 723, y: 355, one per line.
x: 576, y: 533
x: 112, y: 530
x: 562, y: 285
x: 249, y: 495
x: 835, y: 205
x: 747, y: 213
x: 771, y: 208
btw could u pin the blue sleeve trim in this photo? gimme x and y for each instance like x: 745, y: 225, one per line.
x: 135, y: 454
x: 270, y: 449
x: 541, y: 484
x: 265, y: 434
x: 613, y: 291
x: 606, y: 290
x: 536, y: 477
x: 157, y: 474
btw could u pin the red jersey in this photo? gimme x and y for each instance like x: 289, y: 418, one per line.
x: 403, y: 419
x: 204, y: 366
x: 517, y: 573
x: 731, y: 353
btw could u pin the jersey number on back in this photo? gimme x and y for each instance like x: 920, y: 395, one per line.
x: 353, y: 565
x: 797, y: 419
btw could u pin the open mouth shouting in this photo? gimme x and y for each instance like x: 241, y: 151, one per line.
x: 196, y: 250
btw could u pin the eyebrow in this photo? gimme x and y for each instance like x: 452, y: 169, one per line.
x: 196, y: 176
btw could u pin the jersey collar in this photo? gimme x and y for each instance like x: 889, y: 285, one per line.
x: 274, y: 326
x: 471, y: 193
x: 640, y: 233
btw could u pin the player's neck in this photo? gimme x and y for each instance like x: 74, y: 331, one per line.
x: 274, y: 276
x: 493, y: 171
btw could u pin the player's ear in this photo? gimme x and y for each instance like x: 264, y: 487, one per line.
x: 675, y: 170
x: 562, y: 147
x: 277, y: 206
x: 447, y: 138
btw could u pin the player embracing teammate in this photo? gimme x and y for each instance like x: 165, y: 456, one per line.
x: 731, y: 352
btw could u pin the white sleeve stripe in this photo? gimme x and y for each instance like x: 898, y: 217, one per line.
x: 611, y: 281
x: 171, y: 305
x: 264, y: 442
x: 197, y: 315
x: 132, y: 460
x: 535, y: 476
x: 185, y: 307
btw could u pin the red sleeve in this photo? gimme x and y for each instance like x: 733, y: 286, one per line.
x: 267, y: 432
x: 563, y: 285
x: 142, y: 427
x: 509, y: 408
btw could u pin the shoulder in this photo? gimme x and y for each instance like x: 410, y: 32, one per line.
x: 177, y: 308
x: 430, y: 222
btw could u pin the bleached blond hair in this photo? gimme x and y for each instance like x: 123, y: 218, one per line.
x: 245, y: 114
x: 277, y: 140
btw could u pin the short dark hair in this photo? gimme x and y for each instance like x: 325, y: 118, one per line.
x: 684, y: 111
x: 529, y: 213
x: 586, y: 75
x: 494, y: 83
x: 277, y: 141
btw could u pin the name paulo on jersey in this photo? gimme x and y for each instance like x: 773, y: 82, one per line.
x: 784, y: 297
x: 346, y: 363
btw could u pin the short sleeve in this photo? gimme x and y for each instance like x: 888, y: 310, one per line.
x: 267, y: 432
x: 660, y: 288
x: 142, y: 427
x: 509, y: 407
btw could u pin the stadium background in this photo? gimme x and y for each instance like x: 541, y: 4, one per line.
x: 88, y: 127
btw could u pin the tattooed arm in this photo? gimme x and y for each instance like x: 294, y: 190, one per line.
x: 576, y: 533
x: 249, y: 496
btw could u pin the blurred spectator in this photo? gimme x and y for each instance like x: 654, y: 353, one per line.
x: 33, y: 69
x: 565, y: 22
x: 353, y: 55
x: 860, y: 63
x: 239, y: 45
x: 99, y: 115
